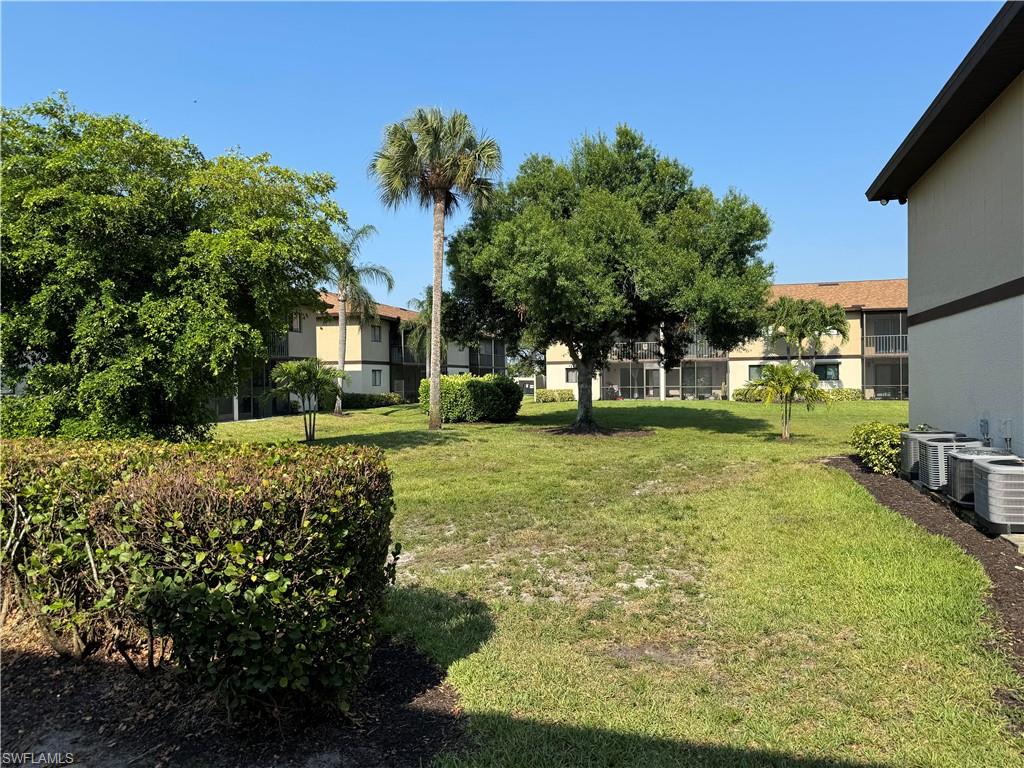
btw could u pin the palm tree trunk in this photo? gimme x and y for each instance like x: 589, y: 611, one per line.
x: 342, y: 341
x: 435, y: 313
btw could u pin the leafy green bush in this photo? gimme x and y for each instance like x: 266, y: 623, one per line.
x: 29, y: 415
x: 264, y: 564
x: 555, y: 396
x: 878, y: 446
x: 356, y: 400
x: 492, y: 397
x: 843, y: 394
x: 745, y: 395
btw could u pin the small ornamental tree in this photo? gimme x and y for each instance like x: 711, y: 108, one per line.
x: 785, y: 385
x: 615, y: 243
x: 313, y: 382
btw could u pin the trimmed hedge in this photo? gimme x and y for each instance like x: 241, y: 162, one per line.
x: 264, y: 564
x: 878, y: 446
x: 555, y: 396
x: 357, y: 400
x: 844, y: 394
x: 493, y: 397
x: 745, y: 395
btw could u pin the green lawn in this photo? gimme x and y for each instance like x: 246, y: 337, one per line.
x: 700, y: 595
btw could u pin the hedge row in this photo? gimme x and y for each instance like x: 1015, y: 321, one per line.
x: 878, y: 446
x: 746, y: 395
x: 555, y: 396
x: 264, y: 565
x: 356, y: 400
x: 492, y: 397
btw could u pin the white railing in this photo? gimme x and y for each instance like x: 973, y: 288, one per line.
x: 886, y: 345
x: 651, y: 350
x: 636, y: 350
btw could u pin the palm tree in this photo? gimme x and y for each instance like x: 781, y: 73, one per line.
x: 785, y: 384
x: 440, y: 162
x: 312, y: 381
x: 417, y: 331
x: 350, y: 279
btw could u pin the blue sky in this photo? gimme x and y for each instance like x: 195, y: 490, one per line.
x: 797, y: 105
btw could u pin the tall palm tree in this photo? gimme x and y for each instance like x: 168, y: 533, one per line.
x: 440, y: 162
x: 350, y: 279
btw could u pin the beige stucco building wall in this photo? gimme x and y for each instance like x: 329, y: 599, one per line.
x: 965, y: 235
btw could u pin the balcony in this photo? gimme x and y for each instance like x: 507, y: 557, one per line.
x: 407, y: 356
x: 895, y: 344
x: 649, y: 350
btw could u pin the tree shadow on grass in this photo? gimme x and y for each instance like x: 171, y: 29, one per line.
x: 404, y: 716
x: 396, y: 439
x: 617, y: 416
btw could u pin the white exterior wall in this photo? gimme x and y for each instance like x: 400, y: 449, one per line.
x: 965, y: 235
x: 361, y: 378
x: 969, y: 367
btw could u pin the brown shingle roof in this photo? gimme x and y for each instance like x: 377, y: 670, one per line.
x: 852, y: 294
x: 384, y: 310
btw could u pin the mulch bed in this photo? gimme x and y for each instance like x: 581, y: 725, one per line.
x: 1003, y: 564
x: 98, y: 710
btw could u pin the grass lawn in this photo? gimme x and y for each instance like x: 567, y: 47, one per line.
x: 701, y: 595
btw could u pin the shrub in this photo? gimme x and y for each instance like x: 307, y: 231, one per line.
x: 843, y: 394
x: 493, y: 397
x: 356, y: 400
x: 878, y: 446
x: 555, y: 396
x: 745, y: 395
x: 29, y: 415
x: 264, y: 564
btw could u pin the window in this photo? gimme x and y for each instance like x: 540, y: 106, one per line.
x: 827, y: 371
x: 295, y: 323
x: 572, y: 376
x: 375, y: 334
x: 375, y: 375
x: 754, y: 372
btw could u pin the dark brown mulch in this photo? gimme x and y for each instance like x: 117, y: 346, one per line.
x: 1003, y: 564
x: 403, y: 715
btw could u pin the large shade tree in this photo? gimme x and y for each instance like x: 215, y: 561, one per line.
x: 351, y: 280
x: 141, y: 278
x: 612, y: 244
x: 440, y: 162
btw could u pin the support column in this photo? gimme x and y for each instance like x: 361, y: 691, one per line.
x: 234, y: 407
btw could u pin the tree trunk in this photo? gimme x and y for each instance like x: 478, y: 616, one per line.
x: 342, y: 341
x: 585, y: 399
x: 435, y: 313
x: 785, y: 419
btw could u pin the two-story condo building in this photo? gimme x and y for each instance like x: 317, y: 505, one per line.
x: 874, y: 359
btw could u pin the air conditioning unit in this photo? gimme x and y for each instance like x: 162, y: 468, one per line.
x: 932, y: 453
x: 999, y: 494
x: 960, y: 471
x: 909, y: 448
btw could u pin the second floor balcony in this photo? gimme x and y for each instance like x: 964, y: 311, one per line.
x: 890, y: 344
x: 646, y: 351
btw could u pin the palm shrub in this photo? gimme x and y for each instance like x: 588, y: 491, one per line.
x: 439, y: 161
x: 312, y: 381
x: 785, y: 385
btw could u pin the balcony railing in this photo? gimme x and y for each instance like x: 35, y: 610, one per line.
x: 407, y: 356
x: 650, y: 350
x: 886, y: 345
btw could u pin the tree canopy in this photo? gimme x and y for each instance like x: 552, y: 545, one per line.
x: 612, y: 244
x: 141, y: 278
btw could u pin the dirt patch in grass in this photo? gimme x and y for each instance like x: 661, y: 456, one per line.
x: 1003, y: 564
x: 98, y: 710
